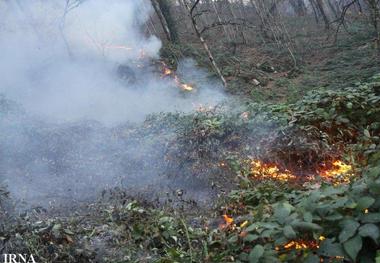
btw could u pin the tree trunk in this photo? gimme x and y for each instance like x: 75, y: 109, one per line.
x: 321, y: 8
x: 202, y: 40
x: 299, y: 7
x: 157, y: 5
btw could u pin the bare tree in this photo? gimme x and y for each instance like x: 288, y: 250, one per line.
x: 191, y: 12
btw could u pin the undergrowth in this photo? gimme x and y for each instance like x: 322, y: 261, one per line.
x: 267, y: 220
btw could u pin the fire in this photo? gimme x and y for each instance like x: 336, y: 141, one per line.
x: 260, y: 170
x: 166, y: 71
x: 187, y: 87
x: 228, y: 222
x: 299, y: 245
x: 338, y: 173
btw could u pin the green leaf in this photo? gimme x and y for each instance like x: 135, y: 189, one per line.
x: 370, y: 230
x: 371, y: 218
x: 250, y: 237
x: 349, y: 230
x: 330, y: 249
x: 256, y: 253
x: 289, y: 232
x: 353, y: 246
x: 334, y: 217
x: 367, y: 134
x: 306, y: 226
x: 308, y: 217
x: 251, y: 228
x: 365, y: 202
x: 282, y: 211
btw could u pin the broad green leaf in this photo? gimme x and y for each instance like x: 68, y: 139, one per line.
x: 330, y: 249
x: 251, y: 228
x: 353, y: 246
x: 289, y: 232
x: 334, y: 217
x: 256, y: 253
x: 282, y: 211
x: 308, y: 217
x: 251, y: 237
x: 349, y: 228
x: 365, y: 202
x: 371, y: 218
x: 306, y: 226
x: 370, y: 230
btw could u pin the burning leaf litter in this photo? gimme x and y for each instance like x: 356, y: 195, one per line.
x: 337, y: 172
x: 167, y: 72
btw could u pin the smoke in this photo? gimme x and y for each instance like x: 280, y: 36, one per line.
x: 59, y: 63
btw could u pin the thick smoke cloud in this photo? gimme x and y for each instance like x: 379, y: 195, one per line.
x: 59, y: 61
x: 59, y: 65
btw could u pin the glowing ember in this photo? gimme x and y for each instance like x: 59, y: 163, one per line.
x: 228, y: 222
x: 259, y: 170
x: 300, y: 245
x: 187, y: 87
x: 166, y: 71
x: 338, y: 173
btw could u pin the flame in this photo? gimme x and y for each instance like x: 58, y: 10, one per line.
x: 299, y: 245
x: 166, y: 71
x: 338, y: 173
x: 260, y: 170
x: 228, y: 222
x: 186, y: 87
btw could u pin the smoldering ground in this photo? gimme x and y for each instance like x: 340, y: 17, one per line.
x: 62, y: 140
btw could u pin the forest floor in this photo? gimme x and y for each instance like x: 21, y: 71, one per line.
x: 290, y: 175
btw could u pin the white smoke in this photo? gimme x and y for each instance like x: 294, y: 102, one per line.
x: 58, y: 60
x: 58, y: 63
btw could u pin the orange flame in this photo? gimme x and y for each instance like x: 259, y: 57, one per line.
x: 166, y: 71
x: 259, y: 170
x: 228, y: 222
x: 299, y: 245
x: 338, y: 173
